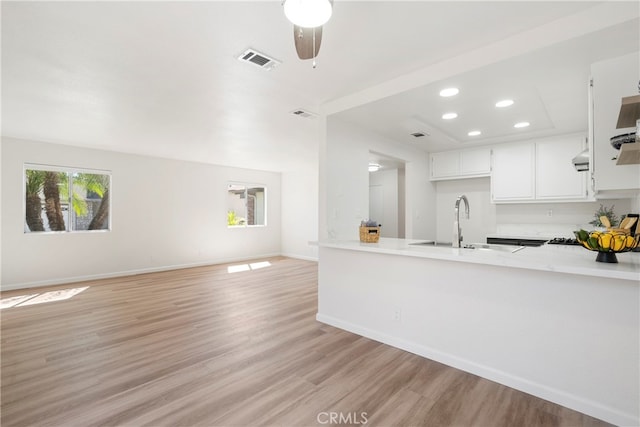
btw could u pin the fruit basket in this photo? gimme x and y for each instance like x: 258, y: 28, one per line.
x: 607, y: 243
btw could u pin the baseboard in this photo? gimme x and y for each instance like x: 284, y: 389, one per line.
x: 302, y: 257
x: 84, y: 278
x: 577, y: 403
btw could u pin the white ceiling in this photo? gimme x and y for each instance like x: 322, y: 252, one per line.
x: 162, y: 78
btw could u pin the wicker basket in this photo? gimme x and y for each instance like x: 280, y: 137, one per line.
x: 369, y: 234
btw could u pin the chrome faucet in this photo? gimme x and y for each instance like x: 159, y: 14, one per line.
x: 457, y: 233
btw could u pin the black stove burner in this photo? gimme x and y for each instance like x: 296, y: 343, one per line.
x: 563, y: 241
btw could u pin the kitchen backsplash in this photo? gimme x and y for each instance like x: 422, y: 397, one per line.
x: 537, y: 231
x: 520, y: 219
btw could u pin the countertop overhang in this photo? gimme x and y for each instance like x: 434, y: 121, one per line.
x: 553, y: 258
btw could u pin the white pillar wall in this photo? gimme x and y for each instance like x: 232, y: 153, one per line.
x: 345, y: 187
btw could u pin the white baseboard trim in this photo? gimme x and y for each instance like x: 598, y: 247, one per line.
x: 302, y: 257
x: 554, y: 395
x: 76, y: 279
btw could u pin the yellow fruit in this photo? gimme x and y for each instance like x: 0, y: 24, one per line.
x: 630, y: 242
x: 604, y: 240
x: 618, y: 242
x: 595, y: 234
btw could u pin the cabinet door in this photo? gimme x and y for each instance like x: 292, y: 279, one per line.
x: 512, y: 174
x: 612, y: 80
x: 445, y: 164
x: 556, y: 177
x: 475, y: 162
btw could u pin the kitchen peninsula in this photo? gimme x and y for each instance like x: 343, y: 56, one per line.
x: 550, y: 321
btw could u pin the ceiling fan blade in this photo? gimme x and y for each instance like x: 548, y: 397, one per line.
x: 303, y: 38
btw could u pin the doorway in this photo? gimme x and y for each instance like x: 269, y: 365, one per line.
x: 387, y: 194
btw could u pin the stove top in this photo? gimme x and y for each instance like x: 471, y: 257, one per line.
x: 563, y: 241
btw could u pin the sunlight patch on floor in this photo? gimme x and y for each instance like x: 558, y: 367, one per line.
x: 32, y: 299
x: 248, y: 267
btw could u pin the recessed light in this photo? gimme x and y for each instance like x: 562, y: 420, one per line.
x: 374, y: 167
x: 521, y: 125
x: 450, y: 91
x: 474, y: 133
x: 449, y: 116
x: 504, y: 103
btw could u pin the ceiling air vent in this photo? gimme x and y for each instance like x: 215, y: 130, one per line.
x: 258, y: 59
x: 304, y: 113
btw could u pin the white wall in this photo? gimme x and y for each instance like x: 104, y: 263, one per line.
x: 165, y: 214
x: 344, y: 183
x: 300, y: 213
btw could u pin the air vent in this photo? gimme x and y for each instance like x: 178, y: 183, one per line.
x: 258, y: 59
x: 419, y: 134
x: 304, y: 113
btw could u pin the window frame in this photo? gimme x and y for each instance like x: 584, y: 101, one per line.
x: 70, y: 171
x: 247, y: 186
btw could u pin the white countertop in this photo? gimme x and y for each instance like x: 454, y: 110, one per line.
x: 555, y: 258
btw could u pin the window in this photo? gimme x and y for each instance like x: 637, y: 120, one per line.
x: 246, y: 205
x: 65, y: 199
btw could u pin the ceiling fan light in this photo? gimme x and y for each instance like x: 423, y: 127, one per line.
x: 308, y: 13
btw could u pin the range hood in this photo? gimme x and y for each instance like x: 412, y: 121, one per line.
x: 581, y: 161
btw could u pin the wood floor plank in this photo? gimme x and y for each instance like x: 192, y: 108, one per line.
x: 207, y: 347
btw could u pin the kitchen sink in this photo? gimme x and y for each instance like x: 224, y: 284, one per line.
x: 433, y: 243
x: 475, y: 246
x: 493, y: 247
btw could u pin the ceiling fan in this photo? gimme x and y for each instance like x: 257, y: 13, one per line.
x: 307, y: 17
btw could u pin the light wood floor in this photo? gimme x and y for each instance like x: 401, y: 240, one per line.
x: 204, y: 347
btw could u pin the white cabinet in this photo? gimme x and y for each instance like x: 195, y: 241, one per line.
x: 458, y: 164
x: 476, y: 162
x: 445, y: 165
x: 556, y: 177
x: 612, y: 80
x: 538, y: 171
x: 512, y: 177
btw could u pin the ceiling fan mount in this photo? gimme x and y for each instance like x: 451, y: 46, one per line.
x: 307, y: 41
x: 307, y: 17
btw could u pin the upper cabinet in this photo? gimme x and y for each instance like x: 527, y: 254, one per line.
x: 611, y: 81
x: 539, y: 170
x: 470, y: 163
x: 512, y: 178
x: 556, y: 177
